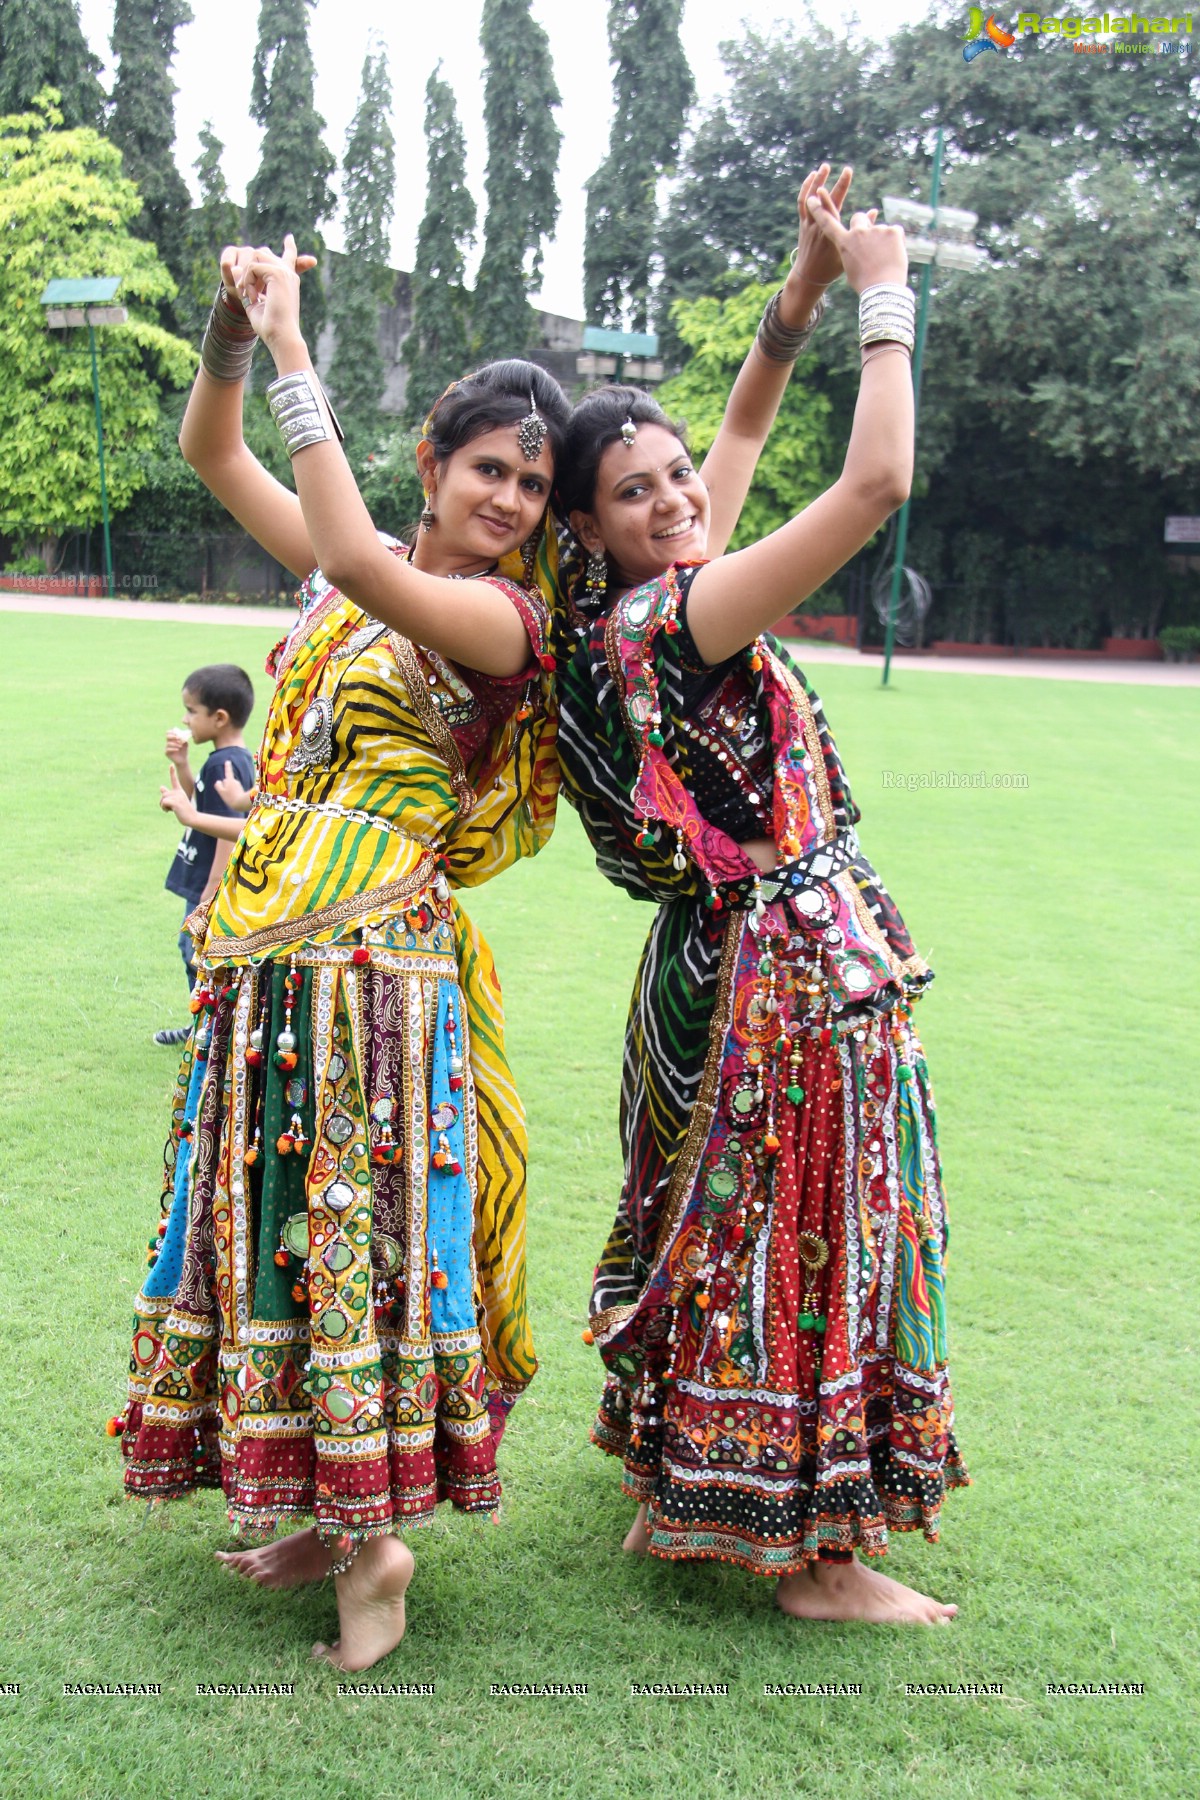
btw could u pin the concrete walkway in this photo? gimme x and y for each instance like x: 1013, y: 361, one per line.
x: 805, y: 650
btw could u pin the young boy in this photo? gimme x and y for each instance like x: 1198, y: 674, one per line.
x: 217, y: 701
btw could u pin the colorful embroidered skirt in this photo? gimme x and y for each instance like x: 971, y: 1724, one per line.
x: 334, y: 1323
x: 770, y: 1304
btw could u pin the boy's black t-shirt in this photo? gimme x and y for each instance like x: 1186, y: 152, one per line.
x: 193, y: 859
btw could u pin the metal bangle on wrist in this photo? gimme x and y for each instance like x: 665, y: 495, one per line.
x: 300, y: 408
x: 782, y: 343
x: 227, y: 348
x: 887, y: 314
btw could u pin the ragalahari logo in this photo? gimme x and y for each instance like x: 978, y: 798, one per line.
x: 985, y: 34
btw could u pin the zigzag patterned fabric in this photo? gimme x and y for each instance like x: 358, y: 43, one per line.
x: 770, y: 1302
x: 335, y: 1321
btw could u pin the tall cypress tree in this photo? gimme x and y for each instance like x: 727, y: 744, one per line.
x: 522, y: 204
x: 362, y: 279
x: 290, y: 190
x: 142, y: 121
x: 42, y: 45
x: 437, y: 347
x: 217, y: 221
x: 653, y: 88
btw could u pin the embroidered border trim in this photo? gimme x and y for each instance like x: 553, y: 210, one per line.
x: 225, y: 950
x: 406, y: 661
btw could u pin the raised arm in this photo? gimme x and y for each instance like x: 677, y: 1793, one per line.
x: 729, y: 467
x: 472, y: 622
x: 212, y: 443
x: 735, y: 598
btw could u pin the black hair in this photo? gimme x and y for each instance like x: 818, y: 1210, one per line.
x: 223, y: 687
x: 501, y: 393
x: 595, y: 424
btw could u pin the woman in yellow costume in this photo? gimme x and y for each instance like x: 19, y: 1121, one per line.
x: 334, y: 1323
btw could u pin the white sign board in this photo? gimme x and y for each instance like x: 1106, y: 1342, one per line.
x: 1182, y: 531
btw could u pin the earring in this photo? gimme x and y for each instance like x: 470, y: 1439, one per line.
x: 529, y: 550
x: 428, y: 516
x: 596, y: 575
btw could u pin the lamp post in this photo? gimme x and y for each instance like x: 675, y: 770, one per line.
x: 617, y: 354
x: 935, y: 234
x: 70, y: 303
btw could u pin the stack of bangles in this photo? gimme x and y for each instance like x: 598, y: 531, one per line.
x: 782, y: 343
x: 298, y: 403
x: 886, y: 319
x: 227, y: 349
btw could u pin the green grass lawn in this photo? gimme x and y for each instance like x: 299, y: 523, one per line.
x: 1062, y: 921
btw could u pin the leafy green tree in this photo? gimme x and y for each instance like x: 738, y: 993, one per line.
x: 362, y: 280
x: 290, y: 190
x: 437, y: 348
x: 654, y: 90
x: 795, y: 99
x: 1058, y: 386
x: 217, y: 221
x: 1056, y: 419
x: 795, y: 465
x: 66, y: 210
x: 142, y: 120
x: 522, y: 203
x: 42, y: 45
x: 173, y: 525
x: 388, y: 481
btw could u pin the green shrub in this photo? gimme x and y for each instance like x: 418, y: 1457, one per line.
x: 1180, y: 643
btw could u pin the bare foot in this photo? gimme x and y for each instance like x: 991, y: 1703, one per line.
x: 853, y: 1591
x: 370, y: 1598
x: 287, y: 1563
x: 637, y: 1540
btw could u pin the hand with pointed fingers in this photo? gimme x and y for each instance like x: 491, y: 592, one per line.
x: 869, y: 252
x: 232, y: 792
x: 175, y: 799
x: 816, y: 261
x: 267, y: 285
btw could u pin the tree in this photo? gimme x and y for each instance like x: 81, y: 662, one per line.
x: 1057, y: 420
x: 522, y: 204
x: 290, y: 190
x: 142, y: 120
x: 217, y: 221
x: 795, y: 465
x: 795, y: 100
x: 42, y: 44
x: 654, y: 90
x: 437, y: 348
x: 362, y: 279
x: 1043, y: 473
x: 66, y: 210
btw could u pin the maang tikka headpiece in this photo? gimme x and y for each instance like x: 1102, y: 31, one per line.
x: 628, y: 434
x: 532, y: 432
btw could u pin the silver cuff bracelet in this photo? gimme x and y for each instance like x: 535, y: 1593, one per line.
x: 300, y: 408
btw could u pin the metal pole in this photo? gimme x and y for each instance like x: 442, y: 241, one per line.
x: 108, y: 565
x: 918, y: 364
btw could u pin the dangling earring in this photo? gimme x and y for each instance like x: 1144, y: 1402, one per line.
x: 428, y: 516
x: 529, y: 550
x: 596, y: 575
